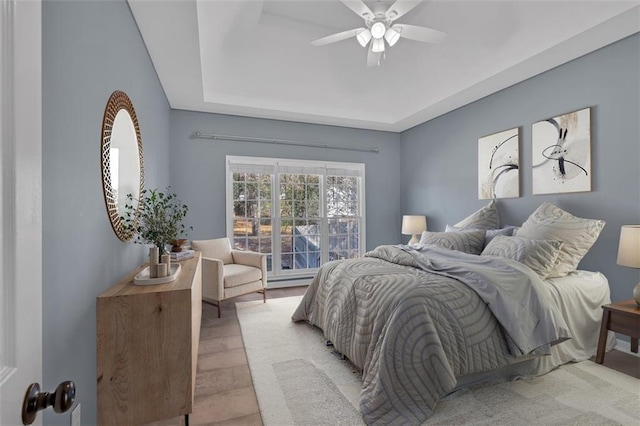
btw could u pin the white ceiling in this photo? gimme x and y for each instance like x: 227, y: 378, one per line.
x: 254, y: 57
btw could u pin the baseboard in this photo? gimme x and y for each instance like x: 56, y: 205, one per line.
x: 293, y: 282
x: 624, y: 346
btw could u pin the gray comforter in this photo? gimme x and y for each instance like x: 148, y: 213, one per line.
x: 412, y: 323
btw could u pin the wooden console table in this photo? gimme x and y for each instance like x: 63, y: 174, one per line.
x: 623, y: 318
x: 147, y: 339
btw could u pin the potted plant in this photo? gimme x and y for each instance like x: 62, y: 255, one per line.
x: 156, y: 219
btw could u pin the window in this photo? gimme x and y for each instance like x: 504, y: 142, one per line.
x: 300, y: 213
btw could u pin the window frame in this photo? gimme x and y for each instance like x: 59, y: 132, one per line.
x: 281, y: 163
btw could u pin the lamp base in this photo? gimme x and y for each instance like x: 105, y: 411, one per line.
x: 636, y: 294
x: 414, y: 240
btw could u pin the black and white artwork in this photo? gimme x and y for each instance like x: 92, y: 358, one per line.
x: 562, y: 153
x: 498, y: 165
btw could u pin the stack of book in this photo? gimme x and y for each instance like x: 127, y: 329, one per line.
x: 177, y: 256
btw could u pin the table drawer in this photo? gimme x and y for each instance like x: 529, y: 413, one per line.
x: 625, y: 324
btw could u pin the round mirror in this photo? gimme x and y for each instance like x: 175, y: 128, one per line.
x: 121, y: 158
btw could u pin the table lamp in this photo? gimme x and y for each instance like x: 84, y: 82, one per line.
x: 629, y: 252
x: 413, y: 225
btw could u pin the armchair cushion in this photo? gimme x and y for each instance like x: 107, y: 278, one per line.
x: 219, y: 248
x: 235, y: 275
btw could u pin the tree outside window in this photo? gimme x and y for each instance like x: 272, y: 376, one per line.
x: 311, y: 217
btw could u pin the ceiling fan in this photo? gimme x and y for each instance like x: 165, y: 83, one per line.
x: 380, y: 27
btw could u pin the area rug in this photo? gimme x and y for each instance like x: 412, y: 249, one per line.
x: 299, y: 380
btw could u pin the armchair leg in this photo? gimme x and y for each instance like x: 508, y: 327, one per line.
x: 264, y: 294
x: 217, y: 305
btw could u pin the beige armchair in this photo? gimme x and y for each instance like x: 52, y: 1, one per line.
x: 229, y: 273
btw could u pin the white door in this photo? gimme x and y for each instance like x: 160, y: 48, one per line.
x: 20, y: 204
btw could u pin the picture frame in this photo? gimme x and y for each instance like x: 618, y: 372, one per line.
x: 499, y: 165
x: 561, y: 153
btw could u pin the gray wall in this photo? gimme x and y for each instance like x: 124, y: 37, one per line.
x: 439, y: 157
x: 198, y: 166
x: 90, y: 49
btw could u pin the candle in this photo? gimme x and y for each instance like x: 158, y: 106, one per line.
x: 166, y: 258
x: 162, y: 269
x: 153, y: 261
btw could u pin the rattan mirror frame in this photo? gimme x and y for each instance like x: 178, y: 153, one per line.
x: 117, y: 102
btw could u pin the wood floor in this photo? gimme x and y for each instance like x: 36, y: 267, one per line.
x: 224, y: 390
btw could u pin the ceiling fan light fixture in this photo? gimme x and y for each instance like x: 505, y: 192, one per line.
x: 378, y: 45
x: 377, y: 30
x: 363, y: 37
x: 392, y: 36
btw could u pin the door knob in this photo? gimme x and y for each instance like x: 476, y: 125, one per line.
x: 34, y: 400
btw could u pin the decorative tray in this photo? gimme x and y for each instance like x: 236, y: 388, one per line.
x: 143, y: 277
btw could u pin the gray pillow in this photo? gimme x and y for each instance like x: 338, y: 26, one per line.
x: 489, y: 233
x: 469, y: 242
x: 550, y: 222
x: 539, y: 255
x: 485, y: 218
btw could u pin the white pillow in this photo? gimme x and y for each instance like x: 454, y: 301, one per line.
x: 539, y: 255
x: 485, y: 218
x: 469, y: 242
x: 550, y: 222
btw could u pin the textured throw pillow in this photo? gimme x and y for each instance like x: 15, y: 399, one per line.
x: 484, y: 218
x: 539, y: 255
x: 489, y: 233
x: 469, y: 242
x: 550, y: 222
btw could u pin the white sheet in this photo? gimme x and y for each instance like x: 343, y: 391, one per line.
x: 579, y: 296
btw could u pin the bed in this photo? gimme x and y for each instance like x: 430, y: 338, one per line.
x: 459, y: 308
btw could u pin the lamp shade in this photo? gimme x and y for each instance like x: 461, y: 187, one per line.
x: 629, y: 246
x: 413, y: 224
x: 392, y: 36
x: 363, y: 37
x: 377, y: 45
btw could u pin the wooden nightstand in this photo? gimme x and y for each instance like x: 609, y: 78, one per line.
x: 623, y: 318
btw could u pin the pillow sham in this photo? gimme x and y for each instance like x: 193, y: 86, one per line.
x: 489, y: 233
x: 539, y: 255
x: 485, y: 218
x: 550, y: 222
x: 469, y: 242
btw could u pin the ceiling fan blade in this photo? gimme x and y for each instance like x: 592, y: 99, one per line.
x: 424, y: 34
x: 361, y: 9
x: 373, y: 58
x: 400, y: 7
x: 337, y: 37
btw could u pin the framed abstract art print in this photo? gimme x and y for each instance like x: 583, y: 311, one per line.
x: 561, y: 156
x: 498, y: 165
